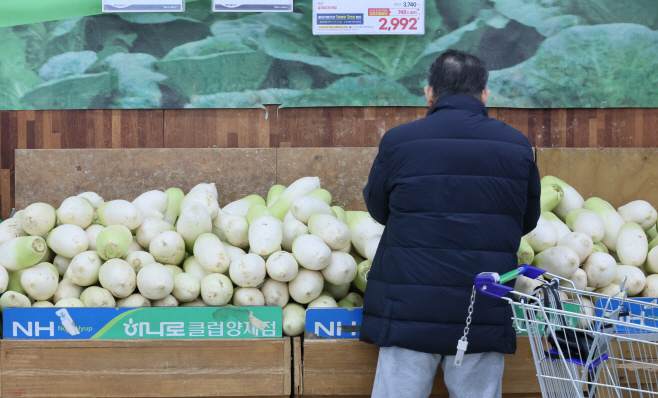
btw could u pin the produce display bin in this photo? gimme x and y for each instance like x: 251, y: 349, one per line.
x: 346, y: 368
x: 146, y: 368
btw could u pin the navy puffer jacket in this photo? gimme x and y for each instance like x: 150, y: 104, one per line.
x: 456, y: 191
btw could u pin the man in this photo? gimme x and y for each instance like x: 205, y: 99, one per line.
x: 456, y: 191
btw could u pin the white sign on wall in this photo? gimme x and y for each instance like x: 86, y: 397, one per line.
x: 143, y: 5
x: 252, y: 5
x: 368, y: 17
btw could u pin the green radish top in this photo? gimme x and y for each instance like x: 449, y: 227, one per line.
x: 28, y: 250
x: 176, y: 196
x: 598, y: 205
x: 525, y: 254
x: 254, y: 200
x: 257, y: 211
x: 600, y: 247
x: 340, y: 213
x: 274, y: 193
x: 551, y: 195
x: 550, y: 216
x: 346, y: 304
x: 321, y: 194
x: 113, y: 241
x: 548, y: 180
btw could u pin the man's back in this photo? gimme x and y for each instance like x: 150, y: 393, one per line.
x: 452, y: 190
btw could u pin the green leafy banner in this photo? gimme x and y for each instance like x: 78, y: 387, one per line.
x: 541, y: 54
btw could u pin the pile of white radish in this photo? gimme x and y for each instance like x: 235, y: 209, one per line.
x: 292, y: 250
x: 591, y: 243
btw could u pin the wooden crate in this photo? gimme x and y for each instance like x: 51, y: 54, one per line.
x: 346, y: 369
x: 146, y: 368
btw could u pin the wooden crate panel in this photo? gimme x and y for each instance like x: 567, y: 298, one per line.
x: 135, y: 368
x: 616, y: 175
x: 346, y: 368
x: 342, y: 171
x: 53, y: 175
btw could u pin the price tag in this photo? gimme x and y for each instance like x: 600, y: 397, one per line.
x: 368, y: 17
x: 252, y: 6
x: 143, y: 5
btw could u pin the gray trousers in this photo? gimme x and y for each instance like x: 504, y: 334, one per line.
x: 403, y: 373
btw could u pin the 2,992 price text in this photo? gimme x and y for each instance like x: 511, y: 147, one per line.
x: 395, y: 23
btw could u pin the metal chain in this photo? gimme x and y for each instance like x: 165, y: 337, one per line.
x: 470, y: 313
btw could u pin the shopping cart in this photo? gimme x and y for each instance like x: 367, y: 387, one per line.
x: 584, y: 344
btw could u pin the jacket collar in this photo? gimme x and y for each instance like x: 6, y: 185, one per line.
x: 459, y: 102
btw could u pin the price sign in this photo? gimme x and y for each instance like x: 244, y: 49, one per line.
x: 143, y: 5
x: 368, y: 17
x: 252, y: 6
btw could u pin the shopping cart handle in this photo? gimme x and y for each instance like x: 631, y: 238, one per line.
x: 492, y: 284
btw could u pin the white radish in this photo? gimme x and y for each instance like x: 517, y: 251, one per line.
x: 639, y: 211
x: 42, y: 304
x: 611, y: 219
x: 234, y: 228
x: 4, y: 279
x: 336, y: 291
x: 211, y: 188
x: 601, y: 269
x: 248, y: 297
x: 83, y: 269
x: 275, y: 293
x: 335, y: 233
x: 543, y: 236
x: 611, y: 289
x: 67, y: 289
x: 292, y: 229
x: 526, y: 285
x: 168, y: 248
x: 524, y: 255
x: 118, y: 277
x: 248, y: 270
x: 311, y: 252
x: 152, y: 204
x: 354, y: 298
x: 134, y: 301
x: 635, y: 279
x: 234, y: 252
x: 186, y: 288
x: 341, y: 268
x: 632, y: 245
x: 92, y: 232
x: 137, y: 260
x: 173, y: 269
x: 282, y: 266
x: 193, y: 222
x: 77, y: 211
x: 23, y: 252
x: 265, y: 235
x: 324, y: 301
x: 587, y: 222
x: 579, y: 242
x: 294, y: 319
x: 651, y: 287
x: 61, y: 263
x: 579, y: 279
x: 168, y: 301
x: 68, y: 240
x: 362, y: 227
x: 120, y: 212
x: 69, y: 302
x: 175, y: 196
x: 155, y: 282
x: 40, y: 282
x: 150, y: 228
x: 192, y: 267
x: 194, y: 303
x: 297, y: 189
x: 216, y: 289
x: 134, y: 247
x: 558, y: 260
x: 113, y: 242
x: 304, y: 207
x: 11, y: 299
x: 204, y: 199
x: 95, y: 199
x: 211, y: 253
x: 371, y: 246
x: 96, y: 297
x: 38, y: 219
x: 306, y: 287
x: 560, y: 227
x: 570, y: 201
x: 290, y: 217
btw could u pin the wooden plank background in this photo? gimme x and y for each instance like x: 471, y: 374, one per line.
x: 290, y: 127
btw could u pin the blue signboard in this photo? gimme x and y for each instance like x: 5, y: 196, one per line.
x: 339, y: 323
x: 644, y: 316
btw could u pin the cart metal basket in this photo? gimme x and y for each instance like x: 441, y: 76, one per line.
x: 584, y: 344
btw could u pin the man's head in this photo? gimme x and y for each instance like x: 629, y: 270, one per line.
x: 456, y: 72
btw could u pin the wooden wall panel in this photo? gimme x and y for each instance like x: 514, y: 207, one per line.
x: 292, y: 127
